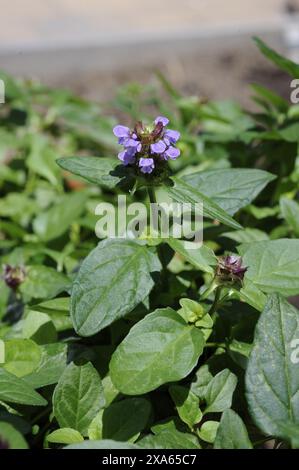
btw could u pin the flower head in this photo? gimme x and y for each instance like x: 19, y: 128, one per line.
x: 13, y: 276
x: 146, y: 147
x: 230, y: 268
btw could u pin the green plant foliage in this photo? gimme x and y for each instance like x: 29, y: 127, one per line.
x: 149, y: 342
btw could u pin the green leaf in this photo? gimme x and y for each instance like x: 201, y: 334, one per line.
x: 95, y: 429
x: 103, y: 171
x: 22, y: 356
x: 78, y: 397
x: 113, y: 279
x: 54, y: 222
x: 51, y: 366
x: 104, y: 444
x: 110, y: 391
x: 261, y: 213
x: 282, y: 62
x: 290, y: 212
x: 65, y: 436
x: 252, y: 295
x: 171, y: 423
x: 184, y: 192
x: 124, y: 420
x: 39, y: 327
x: 232, y: 433
x: 11, y: 438
x: 41, y: 159
x: 42, y: 282
x: 15, y: 390
x: 219, y: 392
x: 19, y: 423
x: 202, y: 258
x: 290, y: 133
x: 169, y: 439
x: 272, y: 379
x: 203, y: 377
x: 232, y: 188
x: 273, y: 265
x: 208, y: 431
x: 271, y: 97
x: 58, y: 310
x: 239, y: 351
x: 289, y: 432
x: 19, y: 207
x: 247, y: 235
x: 187, y: 405
x: 160, y: 348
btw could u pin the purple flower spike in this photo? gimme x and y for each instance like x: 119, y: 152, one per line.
x: 158, y: 147
x: 121, y: 131
x: 172, y: 153
x: 146, y: 165
x: 146, y: 147
x: 162, y: 119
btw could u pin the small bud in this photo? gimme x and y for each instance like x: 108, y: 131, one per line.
x: 3, y: 444
x: 13, y: 276
x: 230, y: 269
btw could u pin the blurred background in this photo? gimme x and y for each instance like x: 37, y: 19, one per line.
x: 203, y: 47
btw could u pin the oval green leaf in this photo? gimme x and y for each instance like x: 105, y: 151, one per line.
x: 160, y: 348
x: 78, y: 397
x: 113, y: 279
x: 272, y: 378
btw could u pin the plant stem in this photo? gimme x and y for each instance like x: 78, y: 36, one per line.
x: 45, y: 412
x: 153, y: 200
x: 215, y: 345
x: 151, y: 195
x: 216, y: 300
x: 209, y: 290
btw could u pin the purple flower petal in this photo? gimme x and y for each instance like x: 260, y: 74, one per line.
x: 172, y: 153
x: 132, y: 143
x: 162, y: 119
x: 123, y: 140
x: 158, y: 147
x: 126, y: 157
x: 172, y: 136
x: 146, y: 165
x: 121, y: 131
x: 234, y: 259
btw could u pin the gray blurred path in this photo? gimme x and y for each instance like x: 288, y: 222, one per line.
x: 36, y: 24
x: 93, y: 46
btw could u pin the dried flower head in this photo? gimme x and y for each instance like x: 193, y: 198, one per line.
x: 147, y: 146
x: 13, y: 276
x: 230, y: 269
